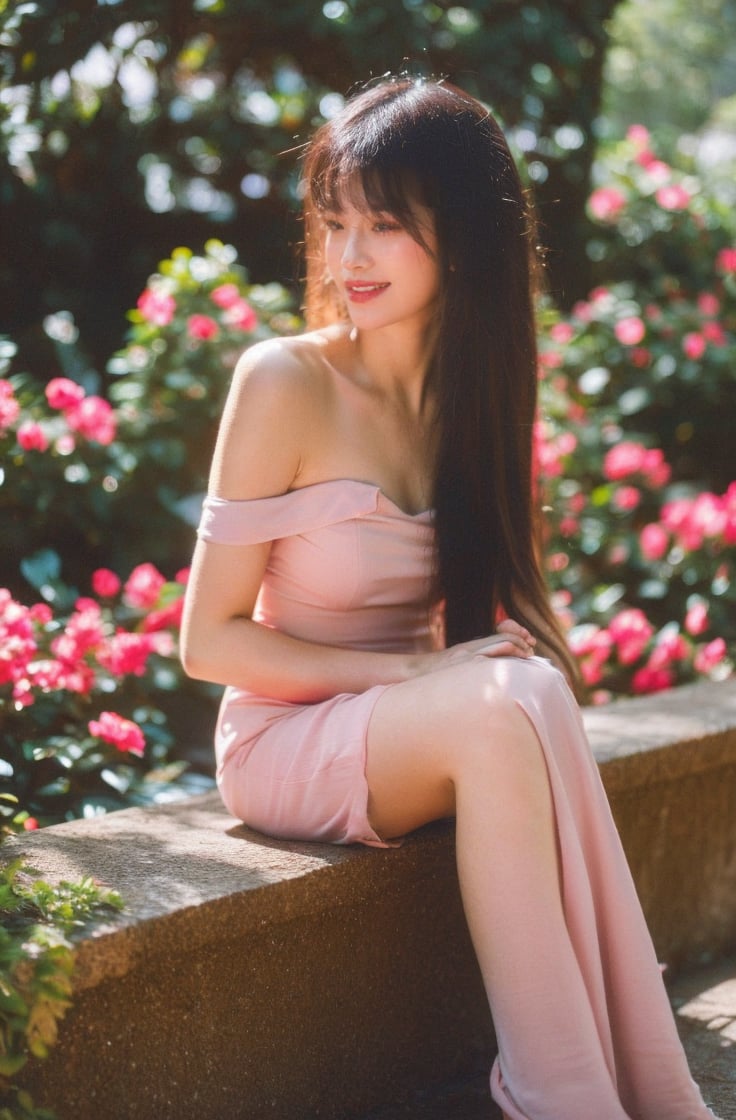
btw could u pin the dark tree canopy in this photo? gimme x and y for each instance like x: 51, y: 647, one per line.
x: 130, y: 127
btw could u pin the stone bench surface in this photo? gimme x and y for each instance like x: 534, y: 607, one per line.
x: 307, y: 980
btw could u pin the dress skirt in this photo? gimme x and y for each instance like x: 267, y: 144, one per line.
x: 302, y: 775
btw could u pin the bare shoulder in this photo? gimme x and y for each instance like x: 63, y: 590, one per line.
x: 278, y: 390
x: 295, y: 367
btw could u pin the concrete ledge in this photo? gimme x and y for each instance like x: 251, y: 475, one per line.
x: 253, y: 978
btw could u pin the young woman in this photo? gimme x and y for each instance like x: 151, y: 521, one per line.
x: 367, y: 585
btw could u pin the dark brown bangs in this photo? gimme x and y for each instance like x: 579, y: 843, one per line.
x: 339, y: 181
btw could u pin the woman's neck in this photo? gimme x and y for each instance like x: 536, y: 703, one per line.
x: 395, y: 362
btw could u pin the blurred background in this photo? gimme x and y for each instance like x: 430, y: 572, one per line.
x: 149, y: 233
x: 132, y: 126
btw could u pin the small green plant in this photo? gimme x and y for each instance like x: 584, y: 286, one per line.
x: 37, y: 920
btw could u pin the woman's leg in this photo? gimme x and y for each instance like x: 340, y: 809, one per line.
x: 498, y: 743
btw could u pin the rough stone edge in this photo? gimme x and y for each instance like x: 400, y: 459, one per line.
x: 632, y: 740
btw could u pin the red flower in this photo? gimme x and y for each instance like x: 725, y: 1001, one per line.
x: 624, y: 459
x: 631, y: 631
x: 125, y: 653
x: 105, y: 583
x: 122, y: 733
x: 94, y: 419
x: 694, y: 345
x: 626, y: 498
x: 9, y: 407
x: 201, y: 327
x: 726, y: 260
x: 654, y: 541
x: 241, y: 315
x: 226, y: 295
x: 648, y: 679
x: 606, y: 203
x: 32, y: 437
x: 62, y: 392
x: 156, y: 307
x: 143, y: 586
x: 673, y: 197
x: 630, y: 331
x: 696, y: 619
x: 711, y: 655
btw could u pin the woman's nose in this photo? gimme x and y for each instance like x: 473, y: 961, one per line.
x: 355, y: 253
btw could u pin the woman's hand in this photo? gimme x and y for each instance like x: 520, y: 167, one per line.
x: 510, y: 640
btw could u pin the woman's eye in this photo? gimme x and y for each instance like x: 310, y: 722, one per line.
x: 331, y: 224
x: 386, y: 227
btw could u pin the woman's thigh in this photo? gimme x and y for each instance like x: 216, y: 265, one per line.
x: 424, y: 734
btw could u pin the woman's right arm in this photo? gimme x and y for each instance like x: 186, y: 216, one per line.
x: 261, y: 448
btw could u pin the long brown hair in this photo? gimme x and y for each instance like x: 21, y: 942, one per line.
x: 405, y: 141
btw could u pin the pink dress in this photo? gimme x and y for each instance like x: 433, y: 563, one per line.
x: 349, y: 568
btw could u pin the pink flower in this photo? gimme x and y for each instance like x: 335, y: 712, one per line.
x: 201, y: 327
x: 638, y: 134
x: 606, y: 203
x: 726, y: 260
x: 226, y: 295
x: 122, y: 733
x: 125, y: 653
x: 156, y: 307
x: 94, y: 419
x: 694, y: 345
x: 714, y: 332
x: 655, y: 467
x: 624, y: 459
x: 241, y: 315
x: 626, y: 498
x: 648, y: 679
x: 9, y: 406
x: 32, y: 437
x: 696, y: 619
x: 710, y: 656
x: 670, y: 647
x: 656, y: 169
x: 62, y: 392
x: 562, y: 332
x: 83, y: 632
x: 41, y: 613
x: 630, y: 331
x: 708, y: 304
x: 105, y: 583
x: 631, y: 631
x: 673, y: 197
x: 143, y: 586
x: 653, y: 541
x: 165, y: 617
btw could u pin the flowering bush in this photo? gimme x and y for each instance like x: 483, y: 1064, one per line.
x: 78, y: 717
x: 656, y: 339
x: 192, y: 321
x: 640, y: 530
x: 640, y: 544
x: 62, y: 468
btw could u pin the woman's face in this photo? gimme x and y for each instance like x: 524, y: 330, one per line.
x: 383, y: 275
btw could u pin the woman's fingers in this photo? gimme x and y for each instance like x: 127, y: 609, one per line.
x: 506, y: 645
x: 510, y: 626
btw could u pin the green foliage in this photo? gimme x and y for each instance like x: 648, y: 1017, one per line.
x: 85, y: 697
x: 131, y: 127
x: 36, y: 966
x: 635, y: 444
x: 195, y: 317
